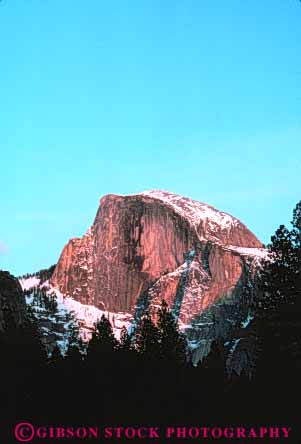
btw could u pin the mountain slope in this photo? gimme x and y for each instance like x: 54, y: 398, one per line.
x: 12, y: 301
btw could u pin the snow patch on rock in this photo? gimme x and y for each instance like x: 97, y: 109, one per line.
x: 30, y: 282
x: 254, y: 252
x: 86, y: 315
x: 193, y: 210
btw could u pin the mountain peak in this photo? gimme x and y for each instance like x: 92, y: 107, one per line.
x: 194, y: 210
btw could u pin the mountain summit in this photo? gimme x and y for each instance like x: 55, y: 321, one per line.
x: 153, y: 245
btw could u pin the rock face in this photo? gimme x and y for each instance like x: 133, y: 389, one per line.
x: 12, y: 300
x: 156, y: 245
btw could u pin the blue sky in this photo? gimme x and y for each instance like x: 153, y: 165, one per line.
x: 198, y: 97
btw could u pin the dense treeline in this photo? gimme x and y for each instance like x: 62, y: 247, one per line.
x: 148, y: 373
x: 43, y: 274
x: 278, y: 311
x: 143, y: 373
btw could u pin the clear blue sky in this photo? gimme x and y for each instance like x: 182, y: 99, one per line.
x: 198, y: 97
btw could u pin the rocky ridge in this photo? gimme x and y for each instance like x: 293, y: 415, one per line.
x: 12, y: 301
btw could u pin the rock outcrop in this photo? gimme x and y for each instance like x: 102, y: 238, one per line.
x: 156, y: 245
x: 12, y: 301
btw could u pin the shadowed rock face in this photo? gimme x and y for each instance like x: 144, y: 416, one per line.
x: 161, y: 244
x: 12, y: 300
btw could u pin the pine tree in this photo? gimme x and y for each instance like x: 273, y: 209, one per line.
x: 296, y: 241
x: 172, y: 343
x: 277, y: 276
x: 125, y: 343
x: 277, y: 318
x: 126, y: 356
x: 74, y: 356
x: 103, y: 342
x: 147, y: 338
x: 280, y: 280
x: 72, y: 331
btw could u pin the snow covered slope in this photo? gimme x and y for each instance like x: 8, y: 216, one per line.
x: 84, y: 315
x: 193, y: 210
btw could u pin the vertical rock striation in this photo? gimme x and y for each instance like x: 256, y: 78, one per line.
x: 157, y: 245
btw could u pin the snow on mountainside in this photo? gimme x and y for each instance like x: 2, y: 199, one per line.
x: 85, y: 315
x: 260, y: 252
x: 30, y: 282
x: 193, y: 210
x: 257, y: 254
x: 198, y: 212
x: 88, y: 315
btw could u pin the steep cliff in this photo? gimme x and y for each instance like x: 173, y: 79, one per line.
x: 156, y: 245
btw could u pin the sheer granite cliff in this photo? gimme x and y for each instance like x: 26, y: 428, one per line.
x: 158, y: 245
